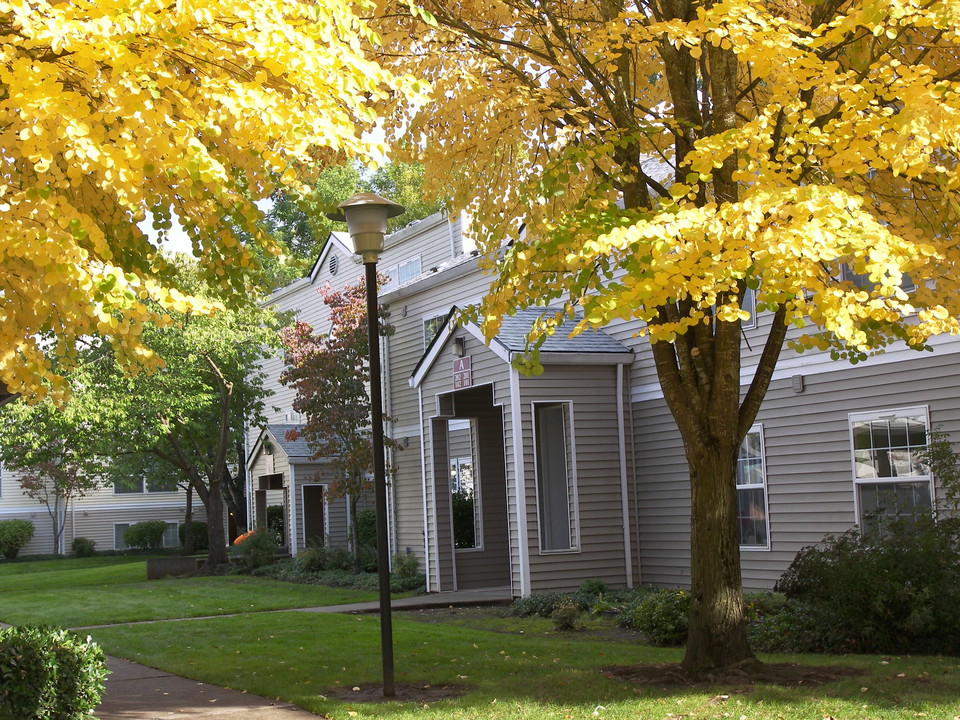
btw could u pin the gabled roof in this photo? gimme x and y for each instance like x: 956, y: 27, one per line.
x: 294, y: 450
x: 588, y: 348
x: 514, y: 329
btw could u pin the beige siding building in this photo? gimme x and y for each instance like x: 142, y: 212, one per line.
x: 536, y: 483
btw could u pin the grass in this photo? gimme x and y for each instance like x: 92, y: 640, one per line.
x: 510, y: 667
x: 297, y: 657
x: 97, y: 591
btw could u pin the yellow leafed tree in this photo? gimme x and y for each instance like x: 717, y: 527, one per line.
x: 669, y: 157
x: 115, y: 111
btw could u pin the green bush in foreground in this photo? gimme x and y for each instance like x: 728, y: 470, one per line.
x: 14, y: 534
x: 660, y: 615
x: 49, y: 673
x: 892, y: 591
x: 83, y: 547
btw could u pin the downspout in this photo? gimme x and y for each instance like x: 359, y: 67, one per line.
x: 523, y: 541
x: 636, y: 499
x: 293, y: 509
x: 453, y: 241
x: 624, y: 491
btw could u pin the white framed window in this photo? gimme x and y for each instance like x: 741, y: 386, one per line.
x: 752, y: 516
x: 401, y: 273
x: 750, y: 305
x: 171, y: 537
x: 557, y: 506
x: 143, y: 484
x: 862, y: 280
x: 890, y: 480
x: 431, y: 326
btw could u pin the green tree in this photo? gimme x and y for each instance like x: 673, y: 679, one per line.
x: 190, y: 415
x: 666, y: 158
x: 298, y: 223
x: 51, y: 450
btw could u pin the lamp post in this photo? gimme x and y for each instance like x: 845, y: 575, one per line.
x: 366, y: 217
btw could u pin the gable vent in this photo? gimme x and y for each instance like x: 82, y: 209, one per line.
x: 334, y: 264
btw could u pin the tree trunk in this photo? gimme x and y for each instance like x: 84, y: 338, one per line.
x: 217, y: 547
x: 717, y: 635
x: 188, y: 545
x: 354, y: 533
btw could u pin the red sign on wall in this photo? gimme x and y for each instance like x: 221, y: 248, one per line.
x: 462, y: 373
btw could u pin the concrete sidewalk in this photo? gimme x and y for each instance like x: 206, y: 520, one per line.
x: 137, y: 692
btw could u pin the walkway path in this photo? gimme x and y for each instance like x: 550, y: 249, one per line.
x: 137, y: 692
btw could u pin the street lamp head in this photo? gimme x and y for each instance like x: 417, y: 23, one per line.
x: 366, y: 217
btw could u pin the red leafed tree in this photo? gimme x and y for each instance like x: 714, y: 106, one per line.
x: 330, y: 373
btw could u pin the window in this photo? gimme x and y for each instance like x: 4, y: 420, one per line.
x: 400, y: 274
x: 890, y: 480
x: 752, y: 492
x: 862, y: 280
x: 750, y: 305
x: 161, y: 483
x: 555, y: 473
x: 171, y: 538
x: 431, y: 326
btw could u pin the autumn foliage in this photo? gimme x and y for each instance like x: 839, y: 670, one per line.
x: 115, y: 111
x: 669, y: 160
x: 330, y: 373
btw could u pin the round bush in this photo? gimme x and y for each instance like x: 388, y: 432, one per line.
x: 200, y: 539
x: 896, y: 590
x: 256, y: 549
x: 660, y: 615
x: 83, y: 547
x: 49, y: 673
x: 14, y: 534
x: 145, y: 535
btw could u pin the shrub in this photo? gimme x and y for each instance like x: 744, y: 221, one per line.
x: 14, y: 534
x: 255, y: 549
x: 592, y: 586
x: 200, y: 539
x: 49, y: 674
x: 83, y: 547
x: 799, y: 627
x: 275, y: 522
x: 541, y: 604
x: 660, y: 615
x: 145, y: 535
x: 566, y: 615
x: 406, y: 566
x: 367, y: 528
x: 892, y: 591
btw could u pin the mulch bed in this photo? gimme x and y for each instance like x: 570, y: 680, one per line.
x: 406, y: 692
x: 671, y: 675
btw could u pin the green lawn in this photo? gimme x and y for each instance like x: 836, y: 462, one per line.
x: 90, y: 591
x: 509, y: 667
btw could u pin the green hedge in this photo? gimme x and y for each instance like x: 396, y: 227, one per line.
x: 49, y: 673
x: 146, y: 535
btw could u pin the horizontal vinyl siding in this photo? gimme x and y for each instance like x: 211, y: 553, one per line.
x: 592, y: 391
x: 808, y: 461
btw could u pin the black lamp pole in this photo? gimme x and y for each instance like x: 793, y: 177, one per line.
x: 366, y: 217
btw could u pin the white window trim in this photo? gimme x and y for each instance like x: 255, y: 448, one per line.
x: 575, y: 546
x: 885, y: 414
x: 128, y: 524
x: 758, y: 428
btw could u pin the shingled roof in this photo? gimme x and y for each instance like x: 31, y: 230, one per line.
x: 291, y: 448
x: 513, y: 333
